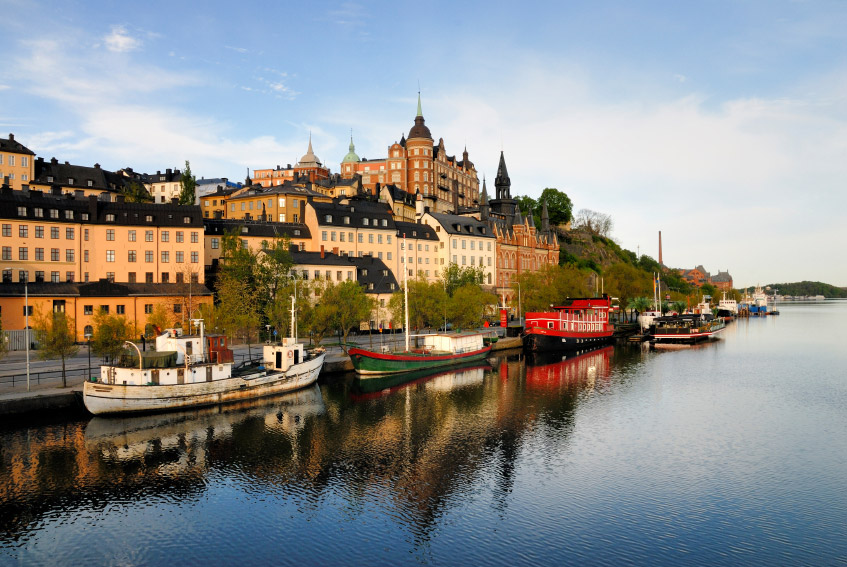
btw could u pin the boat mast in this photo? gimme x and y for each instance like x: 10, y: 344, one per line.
x: 406, y: 291
x: 293, y: 336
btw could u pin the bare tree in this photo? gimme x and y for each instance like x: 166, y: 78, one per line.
x: 599, y: 224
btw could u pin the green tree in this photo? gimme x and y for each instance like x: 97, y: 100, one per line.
x: 110, y: 333
x: 159, y: 319
x: 187, y: 184
x: 352, y: 306
x: 626, y: 282
x: 427, y: 304
x: 559, y: 207
x: 4, y: 347
x: 549, y: 286
x: 56, y: 338
x: 529, y: 206
x: 237, y: 312
x: 135, y: 192
x: 468, y: 306
x: 456, y: 276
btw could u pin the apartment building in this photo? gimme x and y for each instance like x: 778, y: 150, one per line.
x: 466, y: 242
x: 253, y: 235
x: 16, y: 162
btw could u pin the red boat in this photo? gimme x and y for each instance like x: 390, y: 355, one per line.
x: 576, y: 324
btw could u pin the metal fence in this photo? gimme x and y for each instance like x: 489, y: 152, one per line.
x: 55, y: 376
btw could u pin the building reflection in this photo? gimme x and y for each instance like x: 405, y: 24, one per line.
x: 416, y: 446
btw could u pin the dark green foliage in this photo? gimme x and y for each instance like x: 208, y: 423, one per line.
x: 809, y: 288
x: 188, y: 184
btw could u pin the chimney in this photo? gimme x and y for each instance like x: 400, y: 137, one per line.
x: 335, y: 250
x: 96, y: 166
x: 660, y: 249
x: 322, y: 252
x: 11, y: 137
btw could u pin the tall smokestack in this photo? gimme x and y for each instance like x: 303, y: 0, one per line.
x: 660, y: 249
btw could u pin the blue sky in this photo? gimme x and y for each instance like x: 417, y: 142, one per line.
x: 722, y: 124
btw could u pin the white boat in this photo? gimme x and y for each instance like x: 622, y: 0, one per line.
x: 197, y: 370
x: 646, y: 318
x: 729, y: 306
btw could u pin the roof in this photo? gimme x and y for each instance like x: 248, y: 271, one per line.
x: 257, y: 228
x: 419, y: 130
x: 356, y: 213
x: 469, y: 226
x: 12, y: 146
x: 369, y: 270
x: 66, y: 174
x: 284, y: 189
x: 416, y: 230
x: 91, y: 210
x: 102, y: 288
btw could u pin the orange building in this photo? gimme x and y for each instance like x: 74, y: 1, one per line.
x: 16, y: 162
x: 699, y: 276
x: 416, y: 164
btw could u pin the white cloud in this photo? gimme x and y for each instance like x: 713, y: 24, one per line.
x: 119, y: 40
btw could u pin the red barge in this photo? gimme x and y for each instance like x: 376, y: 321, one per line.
x: 577, y: 324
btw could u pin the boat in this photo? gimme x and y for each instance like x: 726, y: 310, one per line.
x: 576, y: 324
x: 431, y: 350
x: 688, y: 328
x: 759, y: 304
x: 197, y: 370
x: 727, y: 308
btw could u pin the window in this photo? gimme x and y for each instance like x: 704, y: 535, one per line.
x: 69, y: 277
x: 131, y: 256
x: 54, y: 277
x: 23, y: 253
x: 69, y: 255
x: 85, y: 235
x: 110, y: 255
x: 120, y: 309
x: 180, y: 236
x: 54, y: 254
x: 177, y: 307
x: 281, y: 217
x: 180, y: 256
x: 195, y: 236
x: 180, y: 278
x: 131, y: 236
x: 148, y: 236
x: 365, y: 222
x: 21, y: 210
x: 166, y: 277
x: 85, y: 255
x: 148, y: 256
x: 148, y: 308
x: 361, y: 238
x: 54, y: 232
x: 195, y: 257
x: 104, y: 309
x: 7, y: 252
x: 110, y: 276
x: 148, y: 218
x: 195, y: 277
x: 110, y: 217
x: 7, y: 230
x: 166, y: 256
x: 371, y: 238
x: 130, y: 277
x: 148, y: 277
x: 69, y: 233
x: 323, y: 235
x: 216, y: 242
x: 23, y: 276
x: 7, y: 275
x: 39, y: 254
x: 23, y: 231
x: 39, y: 231
x: 110, y: 234
x: 39, y: 276
x: 186, y: 220
x: 166, y: 236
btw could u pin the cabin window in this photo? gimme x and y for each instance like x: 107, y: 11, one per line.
x: 549, y: 324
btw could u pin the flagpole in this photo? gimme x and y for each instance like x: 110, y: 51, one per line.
x: 406, y: 291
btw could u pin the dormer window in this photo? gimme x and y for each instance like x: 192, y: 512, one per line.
x: 297, y: 232
x: 243, y: 230
x: 384, y: 222
x: 69, y: 215
x: 365, y: 222
x: 70, y: 180
x: 49, y: 179
x: 346, y: 220
x: 162, y: 178
x: 148, y: 218
x: 328, y: 218
x: 110, y: 217
x: 90, y: 183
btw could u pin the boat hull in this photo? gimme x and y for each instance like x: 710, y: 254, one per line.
x: 102, y: 398
x: 368, y: 362
x: 685, y: 335
x: 539, y: 340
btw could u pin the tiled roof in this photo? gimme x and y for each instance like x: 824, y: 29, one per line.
x: 12, y: 146
x: 257, y: 228
x: 102, y: 288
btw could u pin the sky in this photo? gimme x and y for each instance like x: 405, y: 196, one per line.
x: 722, y: 124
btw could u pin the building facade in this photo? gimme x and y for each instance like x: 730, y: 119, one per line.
x: 417, y: 164
x: 16, y: 162
x: 308, y: 168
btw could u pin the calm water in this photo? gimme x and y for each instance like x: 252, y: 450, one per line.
x: 733, y: 453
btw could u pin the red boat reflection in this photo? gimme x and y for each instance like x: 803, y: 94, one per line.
x: 558, y: 373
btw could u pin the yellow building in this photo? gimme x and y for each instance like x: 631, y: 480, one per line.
x: 285, y: 203
x: 16, y: 162
x: 254, y: 235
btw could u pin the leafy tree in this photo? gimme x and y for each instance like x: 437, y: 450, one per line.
x: 352, y: 305
x: 237, y: 313
x: 559, y: 206
x: 56, y: 338
x: 456, y: 276
x: 548, y: 286
x: 679, y: 306
x: 110, y: 332
x: 4, y: 348
x: 135, y: 192
x: 528, y: 206
x: 626, y: 282
x: 159, y: 319
x: 468, y: 305
x: 187, y: 184
x: 427, y: 304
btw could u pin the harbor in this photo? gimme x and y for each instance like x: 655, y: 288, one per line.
x: 618, y: 444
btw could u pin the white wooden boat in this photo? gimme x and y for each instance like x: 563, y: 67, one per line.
x: 197, y: 370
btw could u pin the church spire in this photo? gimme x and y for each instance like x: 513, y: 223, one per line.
x: 483, y: 202
x: 502, y: 182
x: 420, y: 112
x: 545, y: 218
